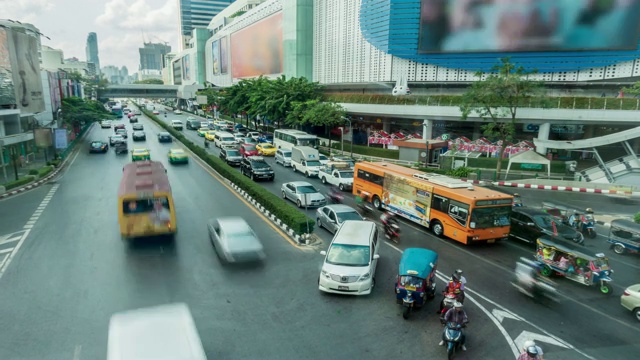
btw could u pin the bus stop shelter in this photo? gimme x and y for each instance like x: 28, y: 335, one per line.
x: 529, y: 157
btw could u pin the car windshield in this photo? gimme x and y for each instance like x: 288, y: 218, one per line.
x: 96, y: 143
x: 120, y: 131
x: 314, y: 163
x: 139, y: 151
x: 268, y: 146
x: 346, y: 174
x: 233, y: 153
x: 260, y: 164
x: 164, y: 134
x: 544, y: 221
x: 491, y: 216
x: 250, y: 148
x: 408, y: 280
x: 177, y: 152
x: 116, y: 137
x: 348, y: 255
x: 348, y: 215
x: 322, y: 157
x: 306, y: 189
x: 286, y: 153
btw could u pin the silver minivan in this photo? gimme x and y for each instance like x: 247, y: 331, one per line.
x: 283, y: 156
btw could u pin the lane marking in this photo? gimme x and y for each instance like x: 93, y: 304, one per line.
x: 76, y: 352
x: 4, y: 251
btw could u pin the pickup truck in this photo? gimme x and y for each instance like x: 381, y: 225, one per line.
x: 340, y: 175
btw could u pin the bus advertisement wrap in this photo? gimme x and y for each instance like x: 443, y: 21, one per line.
x: 408, y: 198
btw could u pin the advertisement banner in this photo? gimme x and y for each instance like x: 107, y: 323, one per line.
x: 215, y: 57
x: 26, y: 74
x: 407, y: 197
x: 224, y: 55
x: 54, y: 91
x: 7, y: 91
x: 186, y: 67
x: 61, y: 139
x: 450, y: 26
x: 257, y: 49
x: 177, y: 72
x: 42, y: 137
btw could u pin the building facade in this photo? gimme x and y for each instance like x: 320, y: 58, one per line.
x: 92, y: 51
x: 196, y: 14
x: 152, y: 56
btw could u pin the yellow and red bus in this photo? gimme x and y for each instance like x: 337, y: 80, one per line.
x: 449, y: 207
x: 145, y: 203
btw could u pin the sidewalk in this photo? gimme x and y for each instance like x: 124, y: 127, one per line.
x: 35, y: 163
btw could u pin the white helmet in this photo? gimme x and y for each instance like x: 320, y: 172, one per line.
x: 529, y: 343
x: 457, y: 305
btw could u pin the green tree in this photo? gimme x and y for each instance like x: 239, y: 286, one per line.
x: 316, y: 113
x: 633, y: 90
x: 497, y: 98
x: 150, y: 82
x: 76, y: 110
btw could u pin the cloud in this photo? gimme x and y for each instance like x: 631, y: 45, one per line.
x: 139, y: 15
x: 25, y: 10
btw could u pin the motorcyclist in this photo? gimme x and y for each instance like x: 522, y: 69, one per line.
x: 463, y: 280
x: 531, y: 353
x: 456, y: 287
x: 575, y: 219
x: 457, y: 316
x: 387, y: 219
x: 531, y: 343
x: 335, y: 194
x: 517, y: 200
x: 361, y: 200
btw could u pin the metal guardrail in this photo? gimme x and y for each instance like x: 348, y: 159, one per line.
x: 366, y: 157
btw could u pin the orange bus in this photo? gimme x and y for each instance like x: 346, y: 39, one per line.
x: 449, y: 207
x: 145, y: 203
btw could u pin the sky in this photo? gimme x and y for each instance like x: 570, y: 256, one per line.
x: 119, y: 24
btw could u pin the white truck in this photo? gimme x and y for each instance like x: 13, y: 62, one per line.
x: 337, y: 174
x: 306, y: 160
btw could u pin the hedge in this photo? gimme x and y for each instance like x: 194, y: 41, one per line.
x: 44, y: 171
x: 281, y: 209
x: 368, y: 150
x: 22, y: 181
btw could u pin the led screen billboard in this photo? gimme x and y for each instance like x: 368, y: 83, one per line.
x: 26, y: 73
x: 257, y: 49
x: 177, y: 72
x: 215, y: 57
x: 528, y: 25
x: 186, y: 67
x: 7, y: 91
x: 224, y: 55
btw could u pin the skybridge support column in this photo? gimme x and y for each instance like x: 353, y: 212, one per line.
x: 543, y: 134
x: 604, y: 166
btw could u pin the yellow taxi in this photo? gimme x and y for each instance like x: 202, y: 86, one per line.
x: 140, y: 155
x: 203, y: 131
x: 210, y: 135
x: 178, y: 156
x: 266, y: 149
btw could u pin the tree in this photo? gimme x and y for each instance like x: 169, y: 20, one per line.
x: 633, y: 90
x: 76, y: 110
x: 316, y: 113
x: 150, y: 82
x: 497, y: 99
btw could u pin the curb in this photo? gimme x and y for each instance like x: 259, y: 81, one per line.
x: 564, y: 188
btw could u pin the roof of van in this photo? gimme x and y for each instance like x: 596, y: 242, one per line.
x: 354, y: 232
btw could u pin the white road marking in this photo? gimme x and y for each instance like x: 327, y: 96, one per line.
x: 537, y: 338
x: 76, y: 352
x: 4, y: 251
x: 27, y: 227
x: 4, y: 258
x: 501, y: 315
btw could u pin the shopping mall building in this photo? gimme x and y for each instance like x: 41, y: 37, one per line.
x: 360, y: 45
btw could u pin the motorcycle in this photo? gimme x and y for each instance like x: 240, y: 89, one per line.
x: 448, y: 302
x: 452, y: 337
x: 366, y: 209
x: 335, y: 197
x: 587, y: 226
x: 392, y: 231
x: 541, y: 290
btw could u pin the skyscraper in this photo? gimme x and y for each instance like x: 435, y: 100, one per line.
x: 198, y: 14
x: 152, y: 56
x: 92, y: 50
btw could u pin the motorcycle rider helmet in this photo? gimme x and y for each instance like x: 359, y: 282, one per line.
x: 457, y: 305
x: 455, y: 276
x: 589, y: 210
x: 528, y: 344
x: 516, y: 195
x: 458, y: 273
x: 532, y: 351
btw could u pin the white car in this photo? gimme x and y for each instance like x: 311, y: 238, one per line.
x: 239, y: 138
x: 324, y: 160
x: 253, y: 134
x: 176, y: 124
x: 105, y: 124
x: 630, y: 300
x: 303, y: 194
x: 177, y: 112
x: 350, y: 263
x: 234, y: 240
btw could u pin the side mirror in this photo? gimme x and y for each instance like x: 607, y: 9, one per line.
x: 323, y: 253
x: 376, y: 257
x: 531, y: 224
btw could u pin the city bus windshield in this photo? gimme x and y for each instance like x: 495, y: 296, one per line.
x: 491, y: 217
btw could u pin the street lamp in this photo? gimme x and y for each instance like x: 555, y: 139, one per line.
x: 350, y: 132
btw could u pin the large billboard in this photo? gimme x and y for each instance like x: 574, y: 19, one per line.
x: 7, y: 91
x: 257, y: 49
x: 215, y: 57
x: 224, y: 55
x: 527, y: 26
x: 408, y: 197
x: 177, y: 72
x: 186, y: 68
x: 26, y: 73
x: 54, y: 91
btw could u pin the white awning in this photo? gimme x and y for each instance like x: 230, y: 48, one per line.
x: 529, y: 157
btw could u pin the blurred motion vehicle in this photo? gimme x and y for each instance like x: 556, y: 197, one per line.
x: 105, y: 124
x: 139, y: 136
x: 249, y: 140
x: 210, y: 135
x: 193, y: 124
x: 114, y: 139
x: 164, y: 137
x: 351, y: 260
x: 121, y: 148
x: 133, y: 119
x: 117, y: 127
x: 239, y: 138
x: 624, y: 236
x: 256, y: 168
x: 178, y: 156
x: 203, y: 131
x: 630, y: 300
x: 145, y: 201
x: 265, y: 138
x: 331, y: 217
x: 156, y: 112
x: 529, y: 224
x: 231, y: 155
x: 140, y: 154
x: 303, y: 194
x: 234, y: 240
x: 529, y: 282
x: 122, y: 132
x: 266, y: 149
x: 98, y: 146
x: 254, y: 135
x: 165, y: 332
x: 137, y: 127
x: 177, y: 111
x: 248, y: 150
x: 176, y: 124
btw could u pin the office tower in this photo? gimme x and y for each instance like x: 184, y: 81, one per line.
x: 92, y: 50
x: 152, y: 56
x: 198, y: 14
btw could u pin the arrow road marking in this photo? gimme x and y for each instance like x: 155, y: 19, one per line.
x: 527, y: 335
x: 501, y: 315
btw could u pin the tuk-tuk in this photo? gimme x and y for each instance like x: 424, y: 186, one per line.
x: 416, y: 278
x: 574, y: 263
x: 624, y: 236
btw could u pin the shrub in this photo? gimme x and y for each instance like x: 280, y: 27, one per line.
x: 44, y: 171
x: 33, y: 172
x: 461, y: 172
x: 368, y: 150
x: 284, y: 211
x: 22, y: 181
x: 636, y: 218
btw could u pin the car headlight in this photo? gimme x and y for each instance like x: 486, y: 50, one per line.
x: 326, y: 274
x: 365, y: 276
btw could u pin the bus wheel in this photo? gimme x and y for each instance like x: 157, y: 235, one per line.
x: 377, y: 203
x: 437, y: 228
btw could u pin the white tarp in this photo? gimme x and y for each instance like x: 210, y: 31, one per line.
x: 589, y: 143
x: 529, y: 157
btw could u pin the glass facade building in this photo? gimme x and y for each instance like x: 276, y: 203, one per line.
x: 92, y: 50
x: 198, y: 13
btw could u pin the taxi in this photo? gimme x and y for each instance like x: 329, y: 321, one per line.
x: 202, y: 131
x: 140, y: 155
x: 266, y: 149
x: 210, y: 135
x: 178, y: 156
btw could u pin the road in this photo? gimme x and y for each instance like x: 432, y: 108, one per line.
x: 490, y: 271
x: 71, y: 272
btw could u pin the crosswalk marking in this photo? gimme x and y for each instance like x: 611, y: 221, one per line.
x: 4, y: 251
x: 4, y: 239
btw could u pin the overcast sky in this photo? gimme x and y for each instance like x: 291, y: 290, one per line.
x: 119, y: 24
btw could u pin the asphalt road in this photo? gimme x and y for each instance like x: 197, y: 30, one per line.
x: 489, y: 270
x: 73, y: 272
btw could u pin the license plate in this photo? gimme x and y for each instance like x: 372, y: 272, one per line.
x: 343, y: 288
x: 491, y: 241
x: 410, y: 288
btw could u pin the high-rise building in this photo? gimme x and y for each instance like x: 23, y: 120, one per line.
x: 152, y: 56
x: 198, y: 14
x: 92, y: 50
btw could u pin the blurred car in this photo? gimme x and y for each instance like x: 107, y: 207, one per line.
x: 177, y: 111
x: 193, y: 124
x: 210, y: 135
x: 137, y: 112
x: 122, y: 132
x: 254, y: 135
x: 114, y: 139
x: 242, y: 130
x: 256, y: 168
x: 178, y: 156
x: 176, y: 124
x: 133, y: 119
x: 129, y: 115
x: 630, y: 300
x: 239, y: 138
x: 234, y: 240
x: 105, y: 124
x: 265, y: 138
x: 137, y: 127
x: 164, y: 137
x: 156, y: 112
x: 248, y: 150
x: 140, y: 154
x: 528, y: 224
x: 344, y: 159
x: 139, y: 136
x: 331, y: 217
x: 324, y: 160
x: 230, y: 155
x: 116, y: 127
x: 203, y: 131
x: 98, y: 146
x: 303, y: 194
x: 249, y: 140
x: 266, y: 149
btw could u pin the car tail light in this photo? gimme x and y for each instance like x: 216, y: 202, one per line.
x: 169, y: 224
x: 626, y: 293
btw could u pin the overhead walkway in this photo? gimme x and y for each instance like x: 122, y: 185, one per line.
x: 149, y: 91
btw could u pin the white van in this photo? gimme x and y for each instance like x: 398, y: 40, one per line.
x: 224, y: 138
x: 352, y: 258
x: 165, y: 332
x: 283, y: 156
x: 306, y: 160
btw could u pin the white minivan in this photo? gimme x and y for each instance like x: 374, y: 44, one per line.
x: 283, y: 156
x: 224, y: 138
x: 350, y: 262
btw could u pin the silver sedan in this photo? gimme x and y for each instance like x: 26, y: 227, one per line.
x: 331, y: 217
x: 303, y: 194
x: 234, y: 240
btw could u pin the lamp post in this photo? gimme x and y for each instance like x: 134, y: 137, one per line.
x: 350, y: 132
x: 342, y: 140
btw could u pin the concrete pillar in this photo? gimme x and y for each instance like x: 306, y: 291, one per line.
x: 543, y: 134
x: 588, y: 132
x: 635, y: 145
x: 386, y: 125
x: 477, y: 131
x: 427, y: 129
